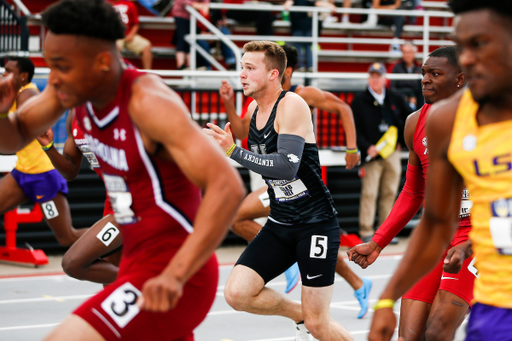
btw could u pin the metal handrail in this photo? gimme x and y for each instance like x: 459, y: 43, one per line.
x: 44, y: 71
x: 315, y: 39
x: 22, y: 7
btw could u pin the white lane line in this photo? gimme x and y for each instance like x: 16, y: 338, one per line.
x: 58, y: 278
x: 34, y: 326
x: 336, y: 279
x: 358, y: 332
x: 381, y: 257
x: 225, y: 312
x: 45, y: 299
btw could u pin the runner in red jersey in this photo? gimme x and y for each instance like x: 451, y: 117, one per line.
x: 95, y: 257
x: 154, y: 160
x: 434, y: 308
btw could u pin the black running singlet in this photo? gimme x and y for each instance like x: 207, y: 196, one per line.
x: 302, y: 200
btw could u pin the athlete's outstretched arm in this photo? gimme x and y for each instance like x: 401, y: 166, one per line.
x: 170, y: 124
x: 325, y: 100
x: 32, y: 119
x: 239, y: 126
x: 406, y: 206
x: 438, y: 224
x: 68, y: 163
x: 293, y: 124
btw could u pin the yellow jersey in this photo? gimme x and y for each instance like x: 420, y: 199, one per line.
x: 32, y: 159
x: 483, y: 157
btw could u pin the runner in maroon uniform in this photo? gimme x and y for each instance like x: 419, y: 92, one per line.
x: 434, y: 308
x: 153, y: 155
x: 82, y: 261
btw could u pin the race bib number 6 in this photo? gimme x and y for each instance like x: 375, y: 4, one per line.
x: 107, y: 234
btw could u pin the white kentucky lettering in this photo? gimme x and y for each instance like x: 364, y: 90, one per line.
x: 113, y: 156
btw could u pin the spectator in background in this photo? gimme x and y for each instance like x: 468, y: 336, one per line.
x: 344, y: 18
x: 182, y: 22
x: 386, y: 20
x: 219, y: 20
x: 301, y: 26
x: 375, y: 111
x: 410, y: 89
x: 132, y: 41
x: 262, y: 19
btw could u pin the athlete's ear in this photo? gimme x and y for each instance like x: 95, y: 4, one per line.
x: 461, y: 80
x: 23, y: 76
x: 103, y: 61
x: 273, y: 74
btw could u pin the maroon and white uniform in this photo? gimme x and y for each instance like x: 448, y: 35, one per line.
x: 460, y: 284
x: 82, y: 144
x: 154, y: 205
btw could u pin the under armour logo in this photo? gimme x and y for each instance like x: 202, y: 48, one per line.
x: 119, y: 134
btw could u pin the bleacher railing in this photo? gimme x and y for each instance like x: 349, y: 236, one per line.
x: 13, y: 32
x: 425, y: 42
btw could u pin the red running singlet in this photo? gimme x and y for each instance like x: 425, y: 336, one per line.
x: 155, y: 205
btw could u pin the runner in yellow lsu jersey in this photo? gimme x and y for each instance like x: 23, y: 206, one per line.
x: 470, y: 141
x: 34, y: 177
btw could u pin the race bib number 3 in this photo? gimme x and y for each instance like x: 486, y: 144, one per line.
x: 120, y: 305
x: 318, y: 248
x: 107, y: 234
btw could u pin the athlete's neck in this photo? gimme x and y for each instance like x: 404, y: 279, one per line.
x: 267, y: 100
x: 107, y: 92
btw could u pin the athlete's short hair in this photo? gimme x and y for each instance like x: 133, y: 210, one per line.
x: 501, y: 7
x: 90, y: 18
x: 448, y: 52
x: 24, y: 65
x: 275, y: 57
x: 292, y: 56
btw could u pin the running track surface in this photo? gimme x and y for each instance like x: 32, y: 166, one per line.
x: 31, y: 306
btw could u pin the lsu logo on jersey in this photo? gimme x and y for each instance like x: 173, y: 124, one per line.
x: 493, y: 165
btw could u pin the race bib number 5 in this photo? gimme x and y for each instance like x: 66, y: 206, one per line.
x: 120, y: 305
x: 318, y: 248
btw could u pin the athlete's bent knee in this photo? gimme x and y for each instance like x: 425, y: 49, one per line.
x: 317, y: 327
x: 438, y: 331
x: 235, y: 297
x: 72, y: 267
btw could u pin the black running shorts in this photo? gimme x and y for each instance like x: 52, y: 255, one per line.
x: 277, y: 247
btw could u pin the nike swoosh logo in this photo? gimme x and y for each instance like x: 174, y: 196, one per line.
x: 266, y: 135
x: 313, y: 277
x: 449, y: 278
x: 39, y: 196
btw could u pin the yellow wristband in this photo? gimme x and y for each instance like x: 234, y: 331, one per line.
x: 48, y: 146
x: 230, y: 150
x: 352, y: 151
x: 386, y: 303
